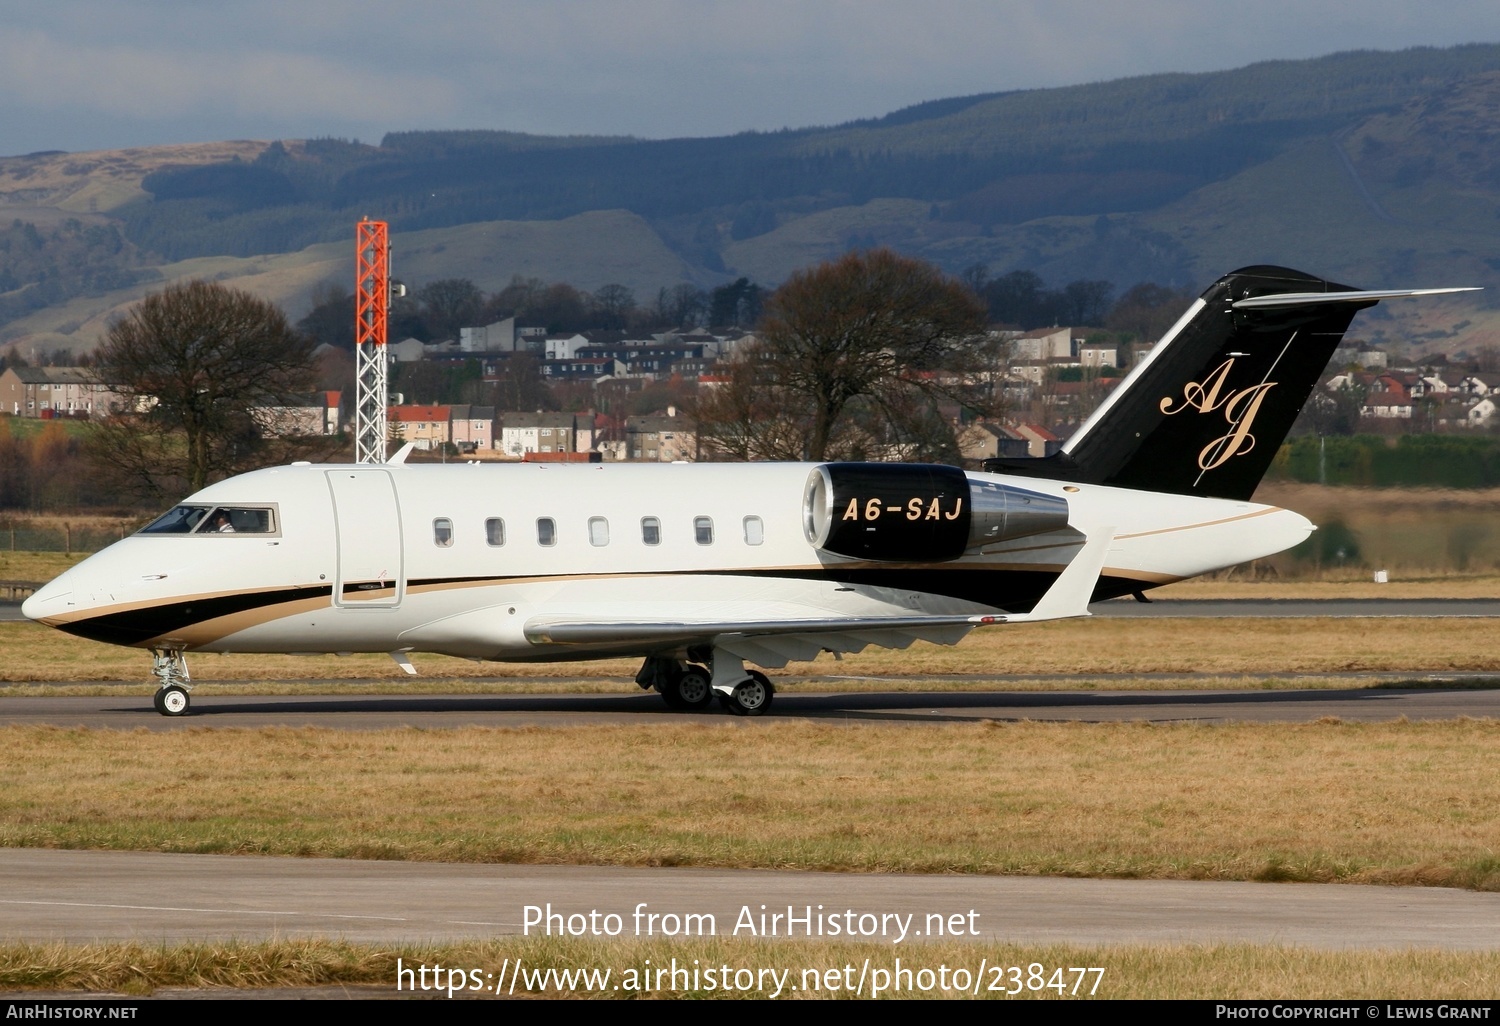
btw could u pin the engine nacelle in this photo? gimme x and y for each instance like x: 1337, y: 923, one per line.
x: 918, y: 512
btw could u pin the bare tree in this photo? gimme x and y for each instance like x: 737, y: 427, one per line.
x: 449, y: 304
x: 193, y: 362
x: 613, y: 305
x: 856, y: 357
x: 1147, y: 310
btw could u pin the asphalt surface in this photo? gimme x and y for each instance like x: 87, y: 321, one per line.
x: 81, y: 896
x: 1446, y: 698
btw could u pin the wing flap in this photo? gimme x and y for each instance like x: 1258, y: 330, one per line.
x: 557, y: 631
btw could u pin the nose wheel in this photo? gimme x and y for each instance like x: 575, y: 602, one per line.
x: 171, y: 673
x: 172, y: 700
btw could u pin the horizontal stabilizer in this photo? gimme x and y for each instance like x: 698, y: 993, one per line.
x: 1315, y: 298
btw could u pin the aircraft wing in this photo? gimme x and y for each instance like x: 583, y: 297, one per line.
x: 773, y: 643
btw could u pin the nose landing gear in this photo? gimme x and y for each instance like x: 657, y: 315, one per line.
x: 171, y: 672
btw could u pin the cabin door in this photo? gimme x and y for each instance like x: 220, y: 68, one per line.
x: 368, y: 521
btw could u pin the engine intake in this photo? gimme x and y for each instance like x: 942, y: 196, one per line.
x: 918, y: 512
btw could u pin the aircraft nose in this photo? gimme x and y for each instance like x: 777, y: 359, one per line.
x: 48, y: 600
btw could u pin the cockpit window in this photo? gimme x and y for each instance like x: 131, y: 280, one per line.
x: 214, y: 520
x: 179, y: 520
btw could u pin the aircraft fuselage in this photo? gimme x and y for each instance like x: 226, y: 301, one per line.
x: 469, y: 559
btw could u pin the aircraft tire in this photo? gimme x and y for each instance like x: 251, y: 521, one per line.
x: 750, y: 697
x: 689, y: 691
x: 172, y: 701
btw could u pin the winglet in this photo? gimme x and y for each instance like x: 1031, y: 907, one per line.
x: 403, y: 452
x: 1074, y: 587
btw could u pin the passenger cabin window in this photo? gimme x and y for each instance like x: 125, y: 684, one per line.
x: 546, y: 531
x: 703, y: 530
x: 442, y: 532
x: 650, y: 530
x: 494, y: 531
x: 598, y: 531
x: 214, y: 520
x: 755, y: 531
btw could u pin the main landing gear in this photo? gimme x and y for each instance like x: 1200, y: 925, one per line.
x: 690, y: 687
x: 171, y: 673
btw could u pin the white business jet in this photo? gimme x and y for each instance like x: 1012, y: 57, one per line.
x: 700, y: 569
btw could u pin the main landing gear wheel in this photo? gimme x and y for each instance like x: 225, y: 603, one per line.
x: 688, y: 690
x: 750, y: 697
x: 171, y: 701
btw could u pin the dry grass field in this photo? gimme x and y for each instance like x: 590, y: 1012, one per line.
x: 1206, y: 972
x: 1394, y: 803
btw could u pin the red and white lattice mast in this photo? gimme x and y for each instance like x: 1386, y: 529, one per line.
x: 372, y: 296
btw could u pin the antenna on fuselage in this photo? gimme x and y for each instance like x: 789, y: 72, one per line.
x: 372, y: 298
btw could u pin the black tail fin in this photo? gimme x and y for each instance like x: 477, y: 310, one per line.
x: 1206, y: 410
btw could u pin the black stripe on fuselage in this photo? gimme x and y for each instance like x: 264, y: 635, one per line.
x: 133, y: 626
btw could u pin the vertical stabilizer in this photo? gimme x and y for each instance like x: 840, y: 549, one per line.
x: 1205, y: 412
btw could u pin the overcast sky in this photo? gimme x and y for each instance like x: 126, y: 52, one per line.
x: 101, y: 74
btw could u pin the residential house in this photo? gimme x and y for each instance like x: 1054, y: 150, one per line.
x: 425, y: 426
x: 583, y: 369
x: 660, y: 439
x: 1098, y: 355
x: 56, y: 392
x: 1387, y: 406
x: 490, y: 338
x: 317, y: 415
x: 1043, y: 344
x: 563, y: 346
x: 1039, y: 441
x: 471, y: 427
x: 521, y: 433
x: 986, y: 439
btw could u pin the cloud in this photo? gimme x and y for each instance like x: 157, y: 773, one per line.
x: 164, y: 84
x: 186, y: 69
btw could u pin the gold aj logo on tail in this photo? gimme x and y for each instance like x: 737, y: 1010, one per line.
x: 1239, y: 408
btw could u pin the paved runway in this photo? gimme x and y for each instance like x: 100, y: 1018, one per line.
x: 372, y: 712
x: 95, y: 896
